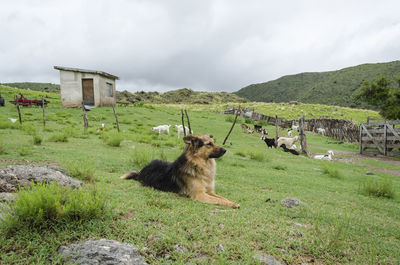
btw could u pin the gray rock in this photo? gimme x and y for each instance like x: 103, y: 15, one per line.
x: 220, y: 248
x: 267, y: 259
x: 178, y: 248
x: 369, y: 173
x: 103, y: 251
x: 6, y: 196
x: 21, y: 175
x: 291, y: 202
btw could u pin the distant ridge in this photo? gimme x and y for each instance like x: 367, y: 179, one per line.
x: 330, y: 88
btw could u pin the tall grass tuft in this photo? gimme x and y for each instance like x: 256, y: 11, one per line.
x: 378, y: 188
x: 59, y: 137
x: 42, y: 205
x: 141, y: 158
x: 331, y: 172
x: 258, y: 156
x: 24, y: 150
x: 113, y: 139
x: 80, y: 169
x: 37, y: 139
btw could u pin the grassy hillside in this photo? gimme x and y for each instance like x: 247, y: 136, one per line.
x: 339, y: 224
x: 330, y: 88
x: 183, y: 95
x: 44, y: 87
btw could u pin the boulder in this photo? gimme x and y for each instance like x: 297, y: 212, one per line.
x: 21, y: 175
x: 103, y: 251
x: 291, y: 202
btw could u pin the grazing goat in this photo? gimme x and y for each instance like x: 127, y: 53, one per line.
x: 244, y: 127
x: 289, y: 133
x: 329, y: 156
x: 264, y: 131
x: 287, y: 140
x: 180, y: 130
x: 257, y: 128
x: 161, y: 128
x: 269, y: 141
x: 321, y: 131
x: 295, y: 128
x: 289, y: 150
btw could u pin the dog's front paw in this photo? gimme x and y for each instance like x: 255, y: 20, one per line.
x: 235, y: 205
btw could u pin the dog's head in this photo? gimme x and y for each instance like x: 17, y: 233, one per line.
x: 202, y: 145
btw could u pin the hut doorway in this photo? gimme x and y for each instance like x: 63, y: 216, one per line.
x: 87, y: 91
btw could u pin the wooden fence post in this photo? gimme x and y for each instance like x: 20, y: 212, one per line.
x: 187, y: 118
x: 385, y: 139
x: 276, y: 128
x: 85, y: 120
x: 234, y: 122
x: 19, y: 110
x: 183, y: 123
x: 361, y: 149
x: 303, y: 141
x: 44, y: 118
x: 116, y: 118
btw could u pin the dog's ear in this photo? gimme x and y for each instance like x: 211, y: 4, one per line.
x: 193, y: 140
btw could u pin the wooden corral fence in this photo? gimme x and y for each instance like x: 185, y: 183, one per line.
x: 382, y: 137
x: 342, y: 130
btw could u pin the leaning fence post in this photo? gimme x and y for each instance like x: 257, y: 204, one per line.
x: 85, y: 120
x: 234, y: 122
x: 183, y: 123
x: 303, y: 141
x: 116, y: 118
x: 44, y: 118
x: 187, y: 117
x: 361, y: 149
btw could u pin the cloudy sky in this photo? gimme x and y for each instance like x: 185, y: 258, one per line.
x: 205, y: 45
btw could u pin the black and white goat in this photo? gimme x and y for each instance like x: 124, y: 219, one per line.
x: 269, y: 141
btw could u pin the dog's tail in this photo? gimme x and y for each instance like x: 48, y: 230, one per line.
x: 131, y: 175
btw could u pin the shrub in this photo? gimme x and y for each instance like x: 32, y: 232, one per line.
x: 80, y: 169
x: 7, y: 124
x: 378, y: 188
x: 113, y: 139
x: 331, y: 172
x: 248, y: 121
x: 230, y: 118
x: 2, y: 148
x: 29, y: 129
x: 59, y: 137
x: 37, y: 140
x: 41, y: 205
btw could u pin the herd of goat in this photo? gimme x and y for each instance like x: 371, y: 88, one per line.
x: 286, y: 143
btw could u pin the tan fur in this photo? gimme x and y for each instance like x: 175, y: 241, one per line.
x: 201, y: 170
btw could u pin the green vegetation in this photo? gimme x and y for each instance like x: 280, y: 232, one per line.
x: 43, y: 205
x: 44, y: 87
x: 378, y: 187
x: 383, y: 94
x: 339, y: 224
x: 183, y: 95
x: 330, y: 88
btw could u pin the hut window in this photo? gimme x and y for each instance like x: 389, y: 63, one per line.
x: 109, y: 90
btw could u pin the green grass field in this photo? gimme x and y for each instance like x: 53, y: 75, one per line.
x: 340, y: 223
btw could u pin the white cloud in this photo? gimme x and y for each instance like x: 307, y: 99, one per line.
x: 220, y: 45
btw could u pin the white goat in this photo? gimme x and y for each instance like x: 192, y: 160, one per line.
x: 12, y: 120
x: 295, y: 128
x: 161, y: 128
x: 321, y: 131
x: 287, y: 141
x: 293, y: 147
x: 289, y: 133
x: 179, y: 128
x: 329, y: 156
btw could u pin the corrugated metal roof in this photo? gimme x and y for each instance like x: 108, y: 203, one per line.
x: 86, y: 71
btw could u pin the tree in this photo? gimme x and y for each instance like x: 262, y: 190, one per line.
x: 383, y: 94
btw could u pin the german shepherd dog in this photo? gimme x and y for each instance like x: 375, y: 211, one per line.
x: 192, y: 174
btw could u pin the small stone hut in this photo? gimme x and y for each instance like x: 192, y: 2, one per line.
x: 93, y: 88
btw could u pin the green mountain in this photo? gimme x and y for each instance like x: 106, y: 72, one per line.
x: 43, y: 87
x: 330, y: 88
